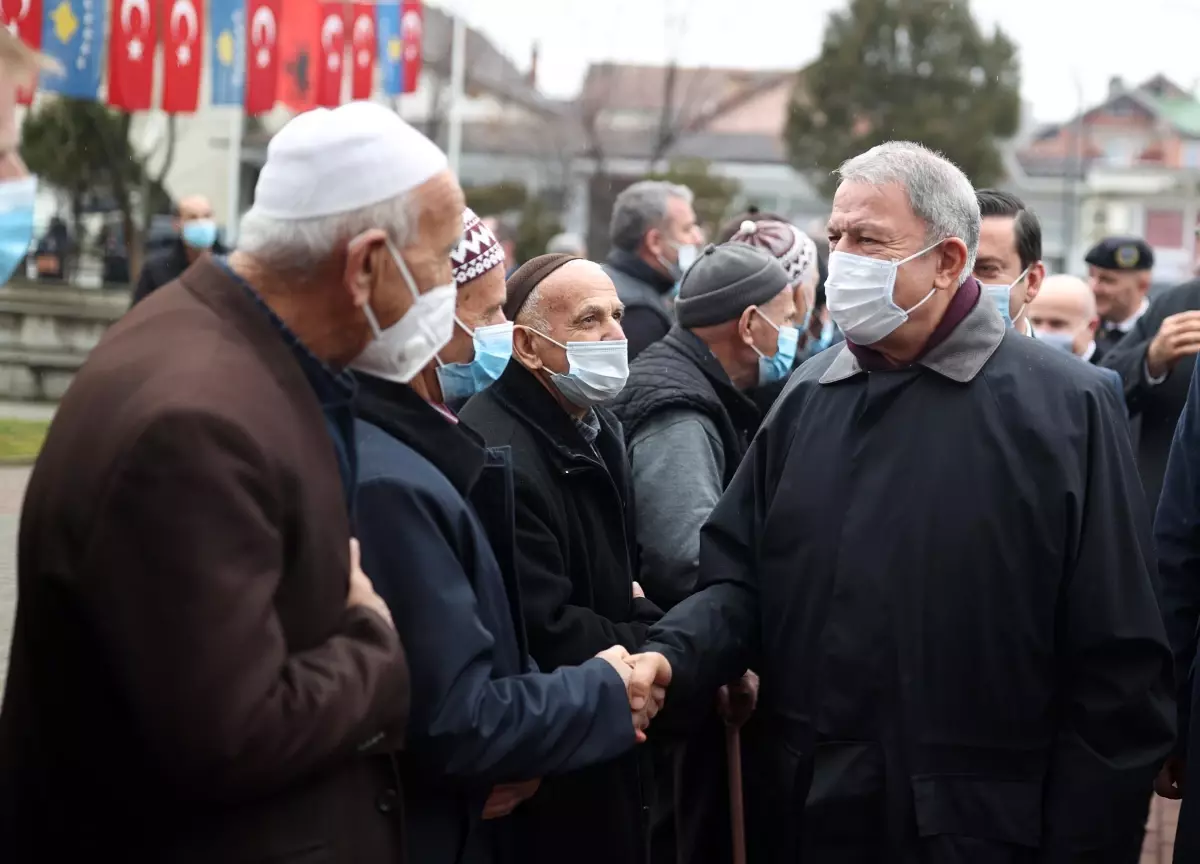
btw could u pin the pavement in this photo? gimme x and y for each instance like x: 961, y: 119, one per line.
x: 1160, y: 828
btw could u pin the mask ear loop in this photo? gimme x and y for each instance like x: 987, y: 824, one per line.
x: 1024, y: 303
x: 774, y: 326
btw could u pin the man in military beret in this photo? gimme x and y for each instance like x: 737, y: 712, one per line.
x: 1119, y: 274
x: 1151, y: 348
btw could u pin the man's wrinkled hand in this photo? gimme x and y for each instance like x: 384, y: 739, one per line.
x: 1170, y: 780
x: 638, y: 593
x: 506, y: 797
x: 647, y: 688
x: 736, y: 702
x: 362, y: 592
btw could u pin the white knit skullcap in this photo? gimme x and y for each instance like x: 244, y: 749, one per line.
x: 325, y: 162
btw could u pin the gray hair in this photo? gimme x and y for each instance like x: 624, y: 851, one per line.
x: 938, y: 191
x: 531, y: 314
x: 641, y: 207
x: 301, y: 245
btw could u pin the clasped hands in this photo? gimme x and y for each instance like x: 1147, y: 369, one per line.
x: 646, y: 677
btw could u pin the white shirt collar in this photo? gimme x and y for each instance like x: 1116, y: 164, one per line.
x: 1089, y: 352
x: 1127, y: 325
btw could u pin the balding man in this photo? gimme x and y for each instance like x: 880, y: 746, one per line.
x: 960, y: 646
x: 576, y: 550
x: 1064, y: 315
x: 197, y: 235
x: 197, y: 653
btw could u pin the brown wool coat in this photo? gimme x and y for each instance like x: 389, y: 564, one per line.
x: 186, y: 683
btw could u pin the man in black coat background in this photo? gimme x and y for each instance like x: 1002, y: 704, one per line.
x: 1149, y: 354
x: 197, y: 236
x: 576, y: 555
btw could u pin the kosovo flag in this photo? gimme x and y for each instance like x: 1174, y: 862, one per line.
x: 73, y: 33
x: 391, y: 47
x: 228, y: 51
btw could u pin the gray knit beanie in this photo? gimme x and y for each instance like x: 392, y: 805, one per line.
x: 724, y: 281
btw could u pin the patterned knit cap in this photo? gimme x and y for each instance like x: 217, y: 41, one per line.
x: 477, y: 252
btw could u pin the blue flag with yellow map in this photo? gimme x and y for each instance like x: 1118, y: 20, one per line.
x: 228, y: 51
x: 391, y: 47
x: 73, y: 35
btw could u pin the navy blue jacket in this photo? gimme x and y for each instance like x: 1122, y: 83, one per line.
x: 481, y: 713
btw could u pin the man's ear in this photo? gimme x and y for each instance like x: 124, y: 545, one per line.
x: 1033, y: 282
x: 365, y: 257
x: 1144, y: 282
x: 1094, y: 325
x: 951, y: 263
x: 523, y: 348
x: 743, y: 325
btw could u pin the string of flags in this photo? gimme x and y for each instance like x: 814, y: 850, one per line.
x: 258, y: 52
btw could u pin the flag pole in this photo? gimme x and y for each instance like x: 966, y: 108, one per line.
x: 458, y: 74
x: 233, y: 205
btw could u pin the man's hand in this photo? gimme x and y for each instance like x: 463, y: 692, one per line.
x: 737, y: 701
x: 643, y: 710
x: 1179, y: 336
x: 638, y: 592
x: 505, y: 798
x: 648, y: 685
x: 362, y: 592
x: 1170, y: 780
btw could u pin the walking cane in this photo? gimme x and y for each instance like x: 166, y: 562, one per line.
x: 737, y: 822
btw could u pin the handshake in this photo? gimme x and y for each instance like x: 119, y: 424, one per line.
x: 646, y: 677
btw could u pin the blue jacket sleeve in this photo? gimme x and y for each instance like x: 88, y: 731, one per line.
x: 1178, y: 549
x: 467, y: 722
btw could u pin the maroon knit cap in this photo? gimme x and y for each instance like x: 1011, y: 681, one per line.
x: 528, y: 276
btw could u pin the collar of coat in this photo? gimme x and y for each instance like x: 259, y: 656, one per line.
x: 451, y: 447
x: 524, y: 396
x: 959, y: 357
x: 631, y: 265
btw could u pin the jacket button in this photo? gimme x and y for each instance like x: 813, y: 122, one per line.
x: 386, y: 802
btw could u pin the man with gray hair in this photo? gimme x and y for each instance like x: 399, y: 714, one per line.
x: 655, y: 239
x: 961, y: 653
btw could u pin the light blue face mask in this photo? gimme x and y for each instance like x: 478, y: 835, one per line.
x: 1063, y: 341
x: 199, y: 233
x: 1001, y: 295
x: 16, y: 223
x: 779, y: 366
x: 493, y: 348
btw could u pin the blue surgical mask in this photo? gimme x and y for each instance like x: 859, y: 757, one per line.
x: 200, y: 233
x: 596, y: 371
x: 16, y: 223
x: 1001, y: 295
x: 778, y: 366
x: 493, y: 348
x: 1063, y: 341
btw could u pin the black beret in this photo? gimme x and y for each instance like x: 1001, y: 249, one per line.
x: 527, y: 277
x: 1121, y: 253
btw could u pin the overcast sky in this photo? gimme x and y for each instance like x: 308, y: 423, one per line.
x: 1060, y: 41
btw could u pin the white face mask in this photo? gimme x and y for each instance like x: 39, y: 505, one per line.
x: 1060, y: 339
x: 404, y: 349
x: 1001, y: 295
x: 858, y: 293
x: 687, y: 254
x: 596, y: 371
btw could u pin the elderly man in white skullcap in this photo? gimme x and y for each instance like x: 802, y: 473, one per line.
x: 198, y: 654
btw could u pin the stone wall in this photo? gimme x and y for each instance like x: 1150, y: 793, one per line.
x: 46, y: 332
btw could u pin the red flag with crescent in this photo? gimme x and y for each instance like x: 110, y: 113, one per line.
x: 23, y: 18
x: 412, y: 27
x: 363, y: 45
x: 332, y: 55
x: 132, y: 42
x: 262, y: 54
x: 183, y: 50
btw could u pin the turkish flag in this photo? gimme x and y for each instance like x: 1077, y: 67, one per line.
x: 300, y: 54
x: 23, y: 18
x: 412, y: 27
x: 131, y: 49
x: 363, y: 45
x: 262, y: 54
x: 183, y: 50
x: 333, y: 55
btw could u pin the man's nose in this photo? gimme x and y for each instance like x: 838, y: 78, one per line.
x: 613, y: 330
